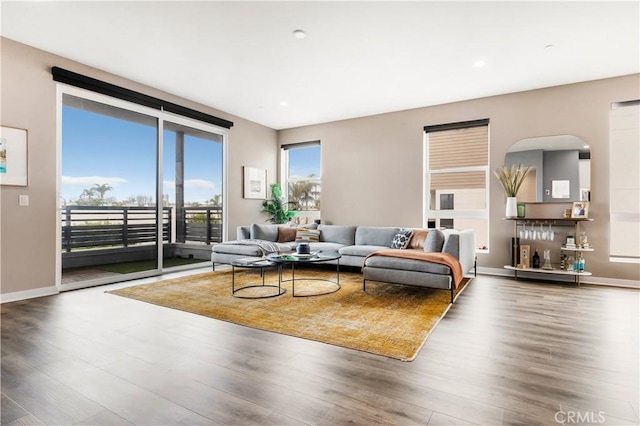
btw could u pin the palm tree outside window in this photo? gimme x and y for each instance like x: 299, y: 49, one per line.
x: 302, y: 178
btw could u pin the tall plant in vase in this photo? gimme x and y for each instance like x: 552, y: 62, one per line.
x: 511, y: 178
x: 276, y: 207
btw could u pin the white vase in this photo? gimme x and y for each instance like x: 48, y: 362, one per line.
x: 512, y: 207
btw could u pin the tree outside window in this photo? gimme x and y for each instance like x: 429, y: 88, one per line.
x: 303, y: 178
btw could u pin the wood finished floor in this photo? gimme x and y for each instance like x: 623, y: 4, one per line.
x: 507, y: 353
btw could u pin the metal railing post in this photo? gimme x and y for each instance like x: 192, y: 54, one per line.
x: 169, y: 223
x: 208, y: 221
x: 67, y: 230
x: 125, y: 226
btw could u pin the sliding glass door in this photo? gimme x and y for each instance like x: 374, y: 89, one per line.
x: 192, y: 188
x: 140, y: 190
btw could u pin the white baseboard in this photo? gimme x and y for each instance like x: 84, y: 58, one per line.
x: 611, y: 282
x: 28, y: 294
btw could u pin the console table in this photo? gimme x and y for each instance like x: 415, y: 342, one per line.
x: 556, y: 224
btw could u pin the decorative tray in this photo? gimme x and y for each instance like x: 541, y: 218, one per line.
x: 294, y: 256
x: 305, y: 256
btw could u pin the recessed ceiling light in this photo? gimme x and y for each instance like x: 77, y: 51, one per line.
x: 479, y: 63
x: 299, y: 34
x: 586, y: 146
x: 284, y: 103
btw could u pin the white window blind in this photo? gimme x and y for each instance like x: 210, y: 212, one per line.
x: 458, y: 148
x: 624, y: 182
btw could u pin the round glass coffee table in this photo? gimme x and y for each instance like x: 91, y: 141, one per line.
x: 254, y: 263
x: 295, y: 259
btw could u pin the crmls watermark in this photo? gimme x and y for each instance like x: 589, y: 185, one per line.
x: 570, y: 417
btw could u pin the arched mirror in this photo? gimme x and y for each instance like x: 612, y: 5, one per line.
x: 560, y: 168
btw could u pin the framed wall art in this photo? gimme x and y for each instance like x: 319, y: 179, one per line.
x: 13, y: 156
x: 560, y: 189
x: 255, y: 183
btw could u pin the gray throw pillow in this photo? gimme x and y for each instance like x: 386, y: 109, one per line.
x: 264, y: 232
x: 341, y: 234
x: 434, y: 241
x: 452, y: 245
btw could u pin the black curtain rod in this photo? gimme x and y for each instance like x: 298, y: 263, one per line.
x: 456, y: 126
x: 82, y: 81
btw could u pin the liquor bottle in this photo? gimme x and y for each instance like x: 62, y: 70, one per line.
x: 536, y: 259
x: 563, y: 261
x: 581, y: 263
x: 584, y: 243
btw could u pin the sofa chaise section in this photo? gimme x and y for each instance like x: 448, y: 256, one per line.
x: 398, y: 270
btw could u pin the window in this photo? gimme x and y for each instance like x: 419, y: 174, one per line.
x: 302, y: 179
x: 139, y: 188
x: 624, y: 182
x: 456, y: 177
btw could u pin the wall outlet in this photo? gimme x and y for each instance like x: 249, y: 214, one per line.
x: 24, y: 201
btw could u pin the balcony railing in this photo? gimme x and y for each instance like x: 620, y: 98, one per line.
x: 201, y: 224
x: 86, y: 227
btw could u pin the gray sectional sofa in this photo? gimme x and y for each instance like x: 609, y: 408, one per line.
x: 355, y: 243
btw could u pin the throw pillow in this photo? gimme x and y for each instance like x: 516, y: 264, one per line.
x: 286, y: 234
x: 311, y: 225
x: 452, y: 245
x: 264, y: 232
x: 434, y: 241
x: 401, y: 239
x: 304, y: 234
x: 418, y: 238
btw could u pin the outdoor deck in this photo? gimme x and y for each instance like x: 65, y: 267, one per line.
x: 95, y: 236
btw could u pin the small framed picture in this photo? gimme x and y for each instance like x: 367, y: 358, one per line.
x: 580, y: 209
x: 255, y: 183
x: 13, y: 156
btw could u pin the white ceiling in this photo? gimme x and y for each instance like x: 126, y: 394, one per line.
x: 359, y: 58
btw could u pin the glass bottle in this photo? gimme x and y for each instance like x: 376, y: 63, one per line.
x: 583, y: 240
x: 546, y: 264
x: 536, y: 259
x: 581, y: 263
x: 570, y: 263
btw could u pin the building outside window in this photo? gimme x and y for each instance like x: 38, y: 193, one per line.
x: 456, y: 162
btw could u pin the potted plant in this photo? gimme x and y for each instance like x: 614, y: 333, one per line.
x: 511, y: 178
x: 276, y: 207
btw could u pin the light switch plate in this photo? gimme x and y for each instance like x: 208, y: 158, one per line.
x: 24, y: 200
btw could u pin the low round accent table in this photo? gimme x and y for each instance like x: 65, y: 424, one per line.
x: 254, y: 263
x: 296, y: 259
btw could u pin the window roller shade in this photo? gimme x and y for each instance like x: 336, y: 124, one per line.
x: 458, y: 148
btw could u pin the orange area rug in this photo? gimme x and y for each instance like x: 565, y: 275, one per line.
x: 389, y: 319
